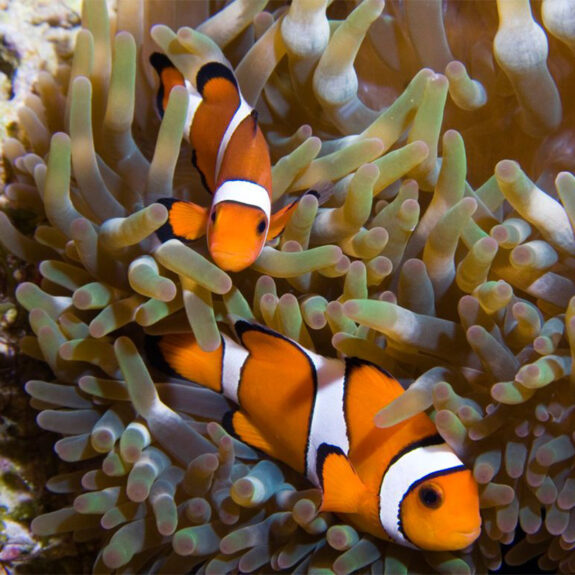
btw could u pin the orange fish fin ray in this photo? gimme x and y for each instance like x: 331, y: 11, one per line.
x: 239, y: 425
x: 169, y: 77
x: 343, y: 490
x: 279, y: 220
x: 181, y: 356
x: 186, y: 220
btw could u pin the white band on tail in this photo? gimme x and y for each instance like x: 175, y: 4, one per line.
x: 243, y: 111
x: 408, y: 469
x: 244, y: 192
x: 328, y: 423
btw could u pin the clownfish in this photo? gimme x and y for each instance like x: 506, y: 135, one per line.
x: 402, y: 484
x: 232, y: 157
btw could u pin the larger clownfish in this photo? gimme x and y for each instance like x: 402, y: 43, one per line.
x: 232, y: 156
x: 401, y: 483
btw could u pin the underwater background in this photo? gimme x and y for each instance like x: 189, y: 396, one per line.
x: 444, y: 254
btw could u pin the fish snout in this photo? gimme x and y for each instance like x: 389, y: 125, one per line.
x: 230, y: 261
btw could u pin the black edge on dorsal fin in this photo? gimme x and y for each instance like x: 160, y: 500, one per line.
x: 160, y: 62
x: 213, y: 70
x: 242, y: 326
x: 352, y: 361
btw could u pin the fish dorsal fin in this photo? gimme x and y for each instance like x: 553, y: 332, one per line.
x: 214, y: 71
x: 186, y: 221
x: 238, y: 424
x: 343, y: 490
x: 169, y: 77
x: 267, y: 345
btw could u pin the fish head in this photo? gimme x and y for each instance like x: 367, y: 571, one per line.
x: 441, y: 513
x: 236, y: 234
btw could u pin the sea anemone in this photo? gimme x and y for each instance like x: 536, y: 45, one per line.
x: 443, y: 254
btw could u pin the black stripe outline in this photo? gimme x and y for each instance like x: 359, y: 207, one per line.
x: 323, y: 451
x: 241, y: 327
x: 213, y: 70
x: 434, y: 439
x: 160, y: 62
x: 352, y: 363
x: 418, y: 482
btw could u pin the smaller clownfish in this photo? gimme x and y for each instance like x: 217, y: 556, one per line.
x: 232, y: 157
x: 403, y: 483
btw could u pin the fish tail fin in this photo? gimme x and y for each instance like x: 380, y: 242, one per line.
x: 180, y: 355
x: 186, y: 221
x: 169, y: 77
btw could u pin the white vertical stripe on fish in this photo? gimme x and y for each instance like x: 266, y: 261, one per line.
x: 328, y: 423
x: 244, y: 192
x: 242, y: 112
x: 233, y: 360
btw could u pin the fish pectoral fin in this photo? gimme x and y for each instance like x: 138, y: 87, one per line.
x: 186, y: 220
x: 238, y: 424
x: 279, y: 220
x: 343, y: 490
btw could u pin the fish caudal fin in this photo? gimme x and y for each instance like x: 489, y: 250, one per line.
x: 186, y: 220
x: 343, y: 490
x: 169, y: 77
x: 180, y: 355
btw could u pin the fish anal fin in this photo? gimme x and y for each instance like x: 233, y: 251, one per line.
x: 186, y: 220
x: 343, y: 490
x: 279, y: 220
x: 238, y: 424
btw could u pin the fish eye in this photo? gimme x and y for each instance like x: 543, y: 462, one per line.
x: 261, y: 227
x: 430, y: 496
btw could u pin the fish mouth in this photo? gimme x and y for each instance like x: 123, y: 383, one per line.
x: 470, y: 536
x: 230, y: 261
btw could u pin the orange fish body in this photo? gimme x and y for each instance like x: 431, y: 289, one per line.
x: 232, y: 156
x: 402, y: 483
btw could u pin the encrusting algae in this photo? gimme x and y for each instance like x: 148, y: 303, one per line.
x: 444, y: 254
